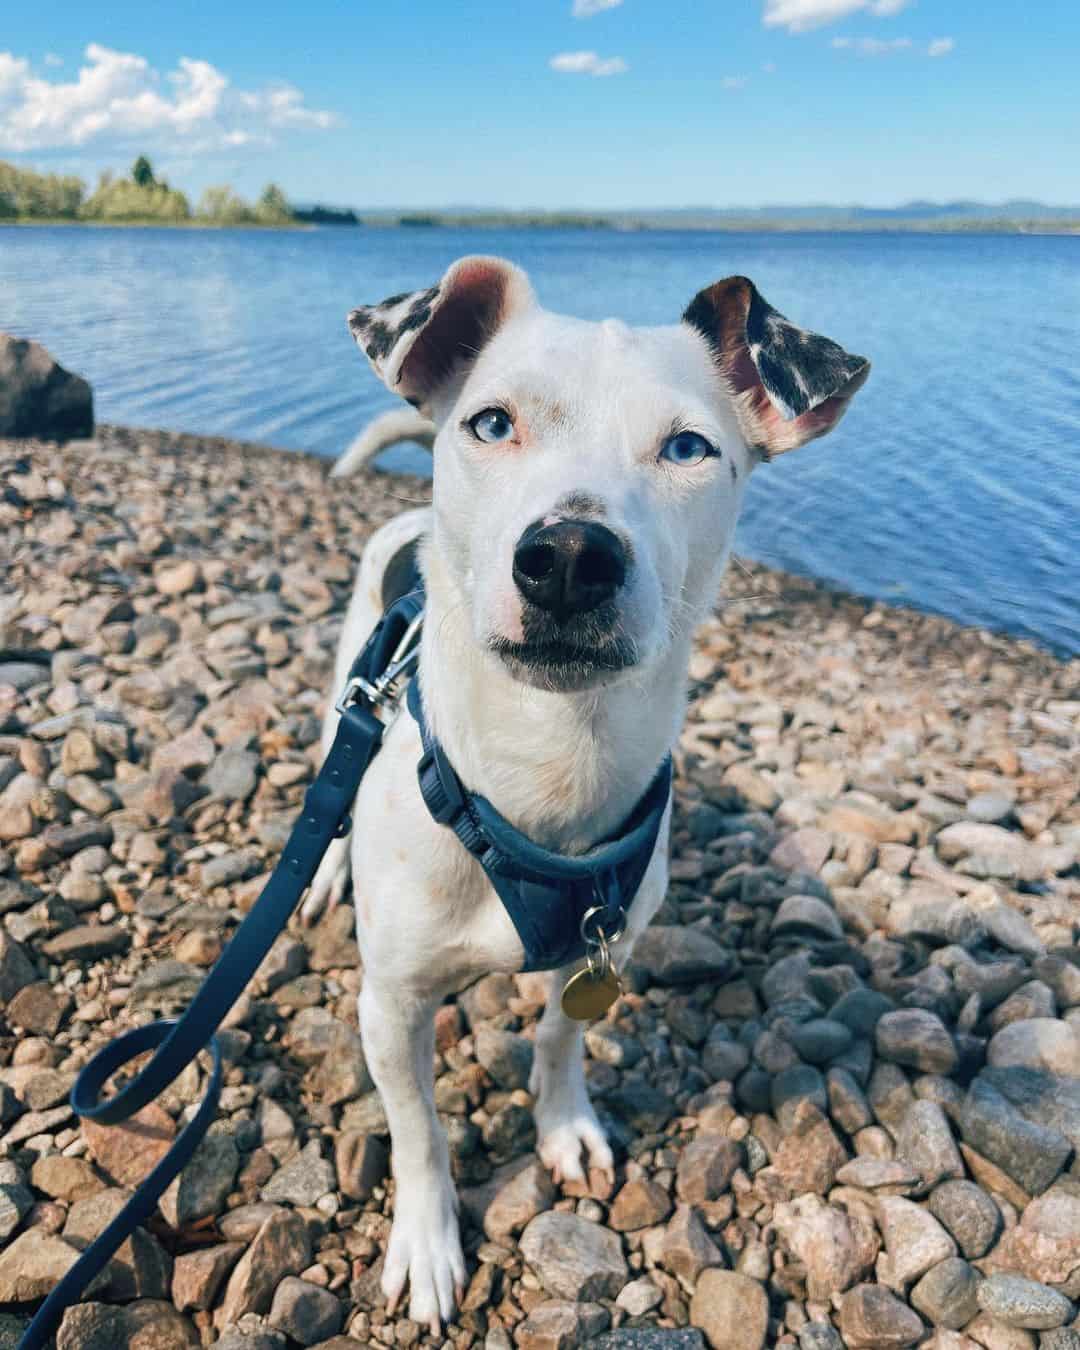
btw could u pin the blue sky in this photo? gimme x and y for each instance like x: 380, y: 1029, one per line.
x: 629, y: 103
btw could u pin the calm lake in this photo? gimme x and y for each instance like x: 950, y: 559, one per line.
x: 952, y: 485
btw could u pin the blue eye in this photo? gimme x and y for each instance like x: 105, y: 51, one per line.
x: 686, y: 449
x: 493, y: 424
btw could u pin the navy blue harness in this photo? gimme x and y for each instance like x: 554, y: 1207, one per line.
x: 546, y: 896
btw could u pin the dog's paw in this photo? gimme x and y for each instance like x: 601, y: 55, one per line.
x: 330, y: 882
x: 425, y: 1253
x: 564, y: 1137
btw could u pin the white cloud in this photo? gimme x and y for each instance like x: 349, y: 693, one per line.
x: 868, y: 46
x: 51, y: 59
x: 799, y: 16
x: 588, y: 63
x: 734, y: 81
x: 585, y: 9
x: 120, y: 99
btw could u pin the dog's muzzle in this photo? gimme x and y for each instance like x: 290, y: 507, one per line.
x: 568, y: 575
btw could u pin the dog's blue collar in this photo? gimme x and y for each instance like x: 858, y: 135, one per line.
x: 545, y: 894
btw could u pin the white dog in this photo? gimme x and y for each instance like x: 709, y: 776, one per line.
x: 587, y: 480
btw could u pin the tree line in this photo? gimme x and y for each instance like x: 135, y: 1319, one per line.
x: 141, y: 197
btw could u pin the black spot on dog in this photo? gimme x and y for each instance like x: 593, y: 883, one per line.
x: 734, y: 471
x: 416, y: 318
x: 379, y: 339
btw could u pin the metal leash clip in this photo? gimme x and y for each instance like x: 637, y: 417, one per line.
x: 384, y: 693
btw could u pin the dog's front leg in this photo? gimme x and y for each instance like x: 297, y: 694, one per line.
x: 425, y: 1247
x: 565, y: 1120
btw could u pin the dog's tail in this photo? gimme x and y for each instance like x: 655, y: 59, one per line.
x: 399, y: 424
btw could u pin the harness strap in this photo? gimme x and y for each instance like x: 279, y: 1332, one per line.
x: 177, y: 1042
x: 545, y: 894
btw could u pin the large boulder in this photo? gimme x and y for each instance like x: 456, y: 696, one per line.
x: 38, y: 397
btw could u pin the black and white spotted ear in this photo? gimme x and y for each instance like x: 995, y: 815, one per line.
x: 419, y: 341
x: 789, y: 385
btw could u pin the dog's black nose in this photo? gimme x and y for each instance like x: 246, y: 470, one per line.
x: 570, y: 567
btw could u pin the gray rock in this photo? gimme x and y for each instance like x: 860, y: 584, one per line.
x: 232, y: 776
x: 303, y: 1181
x: 38, y: 397
x: 820, y: 1336
x: 649, y: 1338
x: 1043, y: 1098
x: 925, y: 1142
x: 1033, y: 1155
x: 969, y: 1214
x: 861, y: 1010
x: 946, y: 1294
x: 574, y: 1258
x: 1009, y: 929
x: 506, y: 1057
x: 670, y: 955
x: 914, y: 1240
x: 16, y: 969
x: 306, y: 1312
x: 916, y: 1038
x: 806, y: 916
x: 821, y: 1039
x: 722, y: 1058
x: 204, y: 1185
x: 16, y: 1201
x: 1037, y: 1043
x: 1019, y: 1302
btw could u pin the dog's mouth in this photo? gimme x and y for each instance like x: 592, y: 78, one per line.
x: 563, y: 664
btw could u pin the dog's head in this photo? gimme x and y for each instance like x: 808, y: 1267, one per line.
x: 588, y: 476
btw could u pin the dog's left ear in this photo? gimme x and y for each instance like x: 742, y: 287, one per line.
x: 418, y: 342
x: 789, y: 385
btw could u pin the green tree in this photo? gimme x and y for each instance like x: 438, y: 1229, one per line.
x: 221, y: 206
x: 142, y: 173
x: 273, y: 206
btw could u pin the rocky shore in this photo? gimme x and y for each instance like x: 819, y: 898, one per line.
x: 844, y: 1087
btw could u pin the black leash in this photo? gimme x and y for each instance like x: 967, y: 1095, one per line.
x: 387, y: 659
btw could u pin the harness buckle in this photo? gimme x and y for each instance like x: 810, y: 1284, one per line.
x: 439, y: 786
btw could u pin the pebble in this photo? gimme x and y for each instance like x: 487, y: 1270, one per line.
x: 916, y: 1039
x: 947, y: 1294
x: 731, y: 1309
x: 1019, y: 1302
x: 574, y: 1258
x: 969, y: 1214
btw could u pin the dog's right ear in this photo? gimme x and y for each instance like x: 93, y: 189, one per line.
x: 419, y: 341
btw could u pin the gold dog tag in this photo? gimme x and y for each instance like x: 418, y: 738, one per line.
x: 586, y: 995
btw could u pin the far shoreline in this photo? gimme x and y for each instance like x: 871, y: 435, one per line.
x: 1060, y: 229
